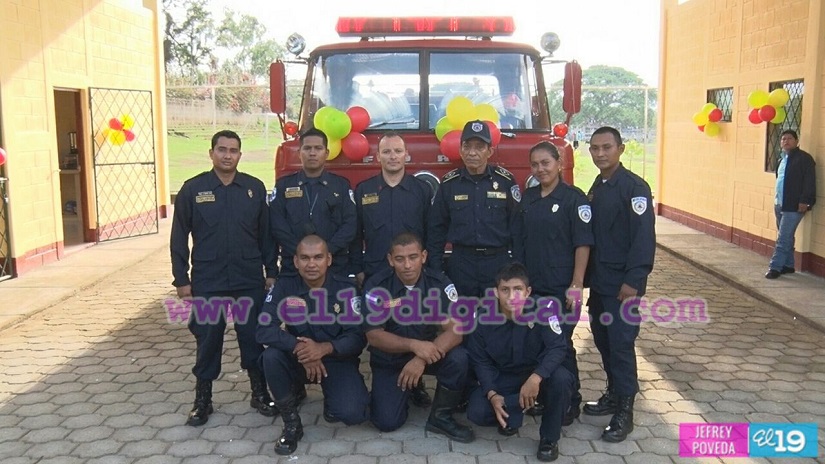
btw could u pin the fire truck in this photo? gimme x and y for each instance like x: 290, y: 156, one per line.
x: 405, y: 72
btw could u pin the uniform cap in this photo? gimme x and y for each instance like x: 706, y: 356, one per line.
x: 476, y: 129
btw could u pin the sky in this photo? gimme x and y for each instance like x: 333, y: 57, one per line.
x: 621, y: 33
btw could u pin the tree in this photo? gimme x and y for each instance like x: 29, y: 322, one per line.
x: 244, y: 37
x: 189, y: 42
x: 610, y: 96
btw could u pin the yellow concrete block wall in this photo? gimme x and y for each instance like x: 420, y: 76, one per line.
x: 72, y: 44
x: 744, y: 45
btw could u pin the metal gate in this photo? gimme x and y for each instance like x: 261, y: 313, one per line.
x: 6, y: 271
x: 124, y: 163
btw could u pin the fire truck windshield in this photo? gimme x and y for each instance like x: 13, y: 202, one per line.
x: 411, y: 90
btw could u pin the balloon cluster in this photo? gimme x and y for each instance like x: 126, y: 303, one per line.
x: 344, y: 131
x: 120, y: 130
x: 707, y: 118
x: 767, y: 107
x: 460, y: 111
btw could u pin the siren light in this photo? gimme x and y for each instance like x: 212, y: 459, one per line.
x: 486, y: 26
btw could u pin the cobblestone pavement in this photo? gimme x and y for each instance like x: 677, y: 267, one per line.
x: 103, y: 377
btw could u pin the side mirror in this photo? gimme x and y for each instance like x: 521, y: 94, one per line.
x: 572, y: 100
x: 277, y: 87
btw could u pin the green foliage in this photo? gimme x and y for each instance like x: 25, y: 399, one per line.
x: 637, y: 157
x: 189, y: 36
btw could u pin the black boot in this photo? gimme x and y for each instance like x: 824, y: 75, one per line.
x: 605, y: 406
x: 299, y: 391
x: 203, y: 404
x: 622, y: 422
x: 441, y: 419
x: 419, y: 395
x: 548, y: 450
x: 260, y: 395
x: 292, y: 431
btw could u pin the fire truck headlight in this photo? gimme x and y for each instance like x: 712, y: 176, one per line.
x: 550, y: 42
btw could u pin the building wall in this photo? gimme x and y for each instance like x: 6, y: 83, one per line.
x: 719, y: 184
x: 69, y: 44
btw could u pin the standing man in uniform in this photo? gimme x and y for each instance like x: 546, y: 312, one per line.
x: 472, y: 210
x: 519, y: 362
x: 313, y: 201
x: 309, y: 349
x: 402, y: 352
x: 622, y: 258
x: 552, y: 236
x: 795, y: 195
x: 386, y: 205
x: 226, y: 214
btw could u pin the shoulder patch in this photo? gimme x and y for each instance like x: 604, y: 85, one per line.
x: 503, y: 172
x: 450, y: 175
x: 553, y: 322
x: 452, y: 293
x: 355, y: 303
x: 516, y: 193
x: 639, y: 205
x: 585, y: 214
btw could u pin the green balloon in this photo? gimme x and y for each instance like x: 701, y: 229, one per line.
x: 337, y: 125
x: 442, y: 127
x: 321, y: 117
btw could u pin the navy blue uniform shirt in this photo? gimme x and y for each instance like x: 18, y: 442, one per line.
x: 515, y: 349
x: 336, y: 297
x: 384, y: 212
x: 624, y: 232
x: 472, y: 213
x: 388, y: 281
x: 546, y: 232
x: 321, y: 205
x: 229, y: 224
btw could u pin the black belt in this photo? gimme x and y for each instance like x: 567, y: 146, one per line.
x: 483, y: 251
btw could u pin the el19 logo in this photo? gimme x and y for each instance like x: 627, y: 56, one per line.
x: 782, y: 440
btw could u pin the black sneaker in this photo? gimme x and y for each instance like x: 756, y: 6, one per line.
x: 787, y: 270
x: 772, y: 274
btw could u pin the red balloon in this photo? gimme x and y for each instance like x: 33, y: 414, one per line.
x: 115, y: 124
x: 495, y: 133
x: 451, y: 145
x: 360, y: 118
x: 3, y: 157
x: 701, y: 128
x: 754, y: 116
x: 767, y: 113
x: 355, y: 146
x: 129, y: 135
x: 715, y: 115
x: 560, y: 129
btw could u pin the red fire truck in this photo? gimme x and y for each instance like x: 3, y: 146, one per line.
x: 406, y: 71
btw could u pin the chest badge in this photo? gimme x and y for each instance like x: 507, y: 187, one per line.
x: 495, y: 185
x: 337, y: 308
x: 555, y: 207
x: 249, y: 192
x: 530, y: 325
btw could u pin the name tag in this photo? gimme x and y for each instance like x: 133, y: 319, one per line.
x: 393, y: 303
x: 296, y: 302
x: 293, y: 192
x: 499, y: 195
x: 204, y: 198
x: 461, y: 197
x: 370, y: 199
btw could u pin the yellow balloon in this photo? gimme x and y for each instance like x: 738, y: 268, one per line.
x: 116, y: 137
x: 708, y: 107
x: 459, y: 111
x: 334, y: 146
x: 778, y: 97
x: 712, y: 129
x: 487, y: 112
x: 127, y: 121
x: 700, y: 118
x: 780, y: 116
x: 758, y: 99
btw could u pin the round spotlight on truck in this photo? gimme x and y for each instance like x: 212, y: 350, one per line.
x: 295, y: 44
x: 550, y: 42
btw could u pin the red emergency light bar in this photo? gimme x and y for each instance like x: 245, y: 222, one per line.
x: 429, y: 26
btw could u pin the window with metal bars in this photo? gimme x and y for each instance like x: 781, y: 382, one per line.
x: 793, y: 120
x: 723, y: 99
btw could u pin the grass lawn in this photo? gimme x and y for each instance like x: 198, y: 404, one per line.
x: 189, y: 155
x: 634, y: 159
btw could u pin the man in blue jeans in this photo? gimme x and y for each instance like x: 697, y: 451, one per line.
x: 795, y: 195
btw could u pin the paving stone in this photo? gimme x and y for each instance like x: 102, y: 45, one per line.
x: 647, y: 458
x: 109, y: 459
x: 135, y: 433
x: 451, y: 458
x: 238, y: 448
x: 144, y: 448
x: 353, y: 459
x: 502, y: 458
x: 378, y: 447
x: 51, y: 449
x: 83, y: 421
x: 191, y: 448
x: 402, y: 459
x: 211, y: 459
x: 97, y: 448
x: 479, y: 447
x: 89, y: 434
